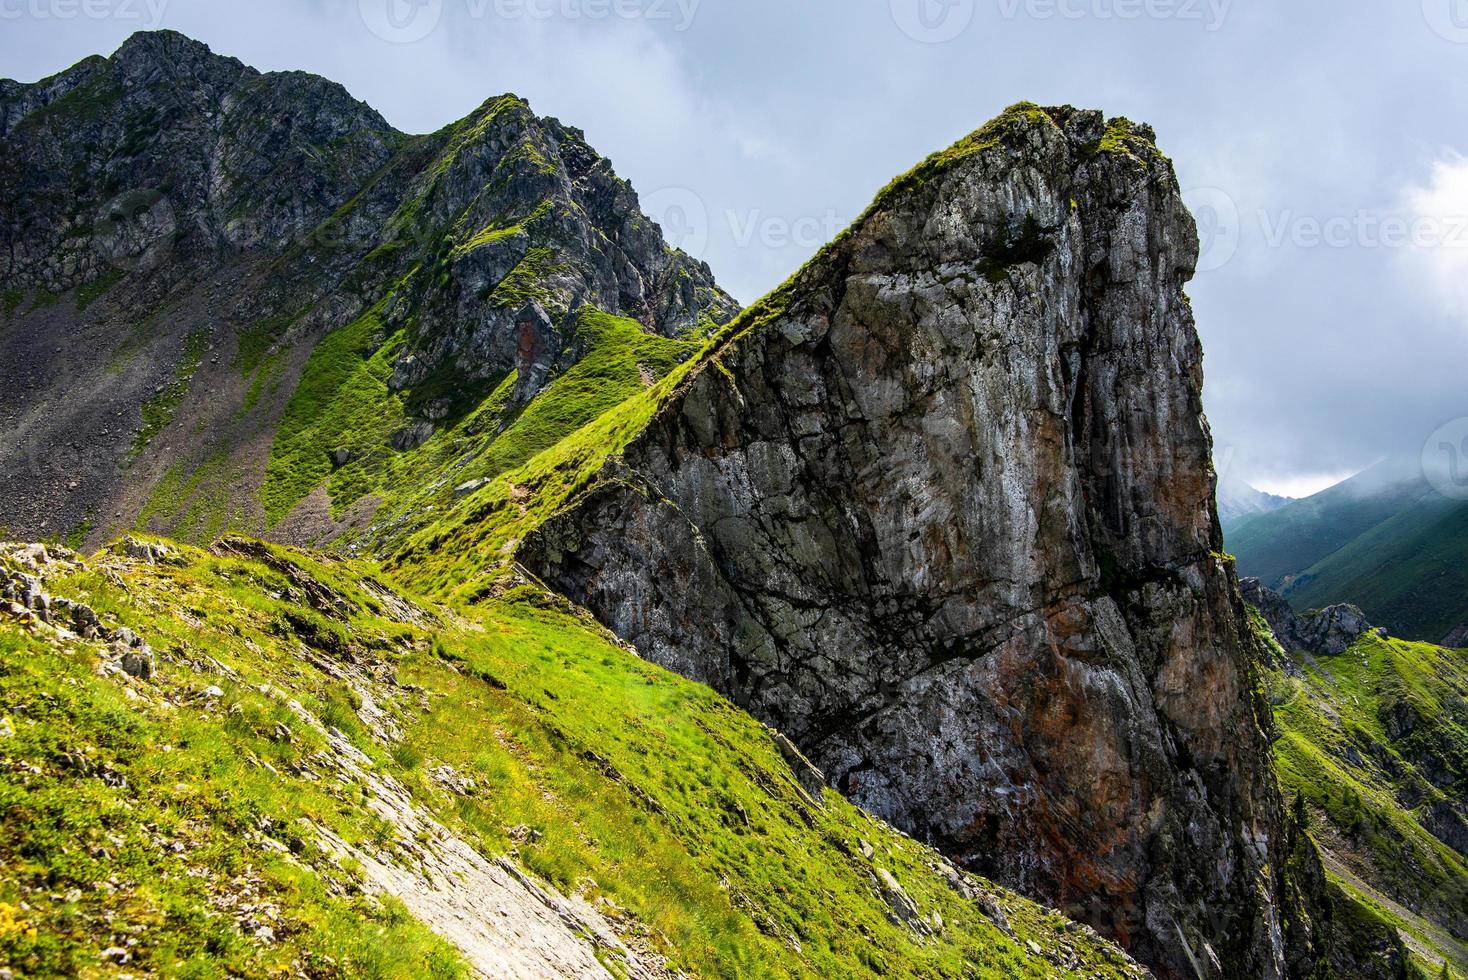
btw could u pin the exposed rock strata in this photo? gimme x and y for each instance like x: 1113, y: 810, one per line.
x: 944, y: 515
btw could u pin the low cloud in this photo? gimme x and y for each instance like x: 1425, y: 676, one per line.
x: 1441, y: 261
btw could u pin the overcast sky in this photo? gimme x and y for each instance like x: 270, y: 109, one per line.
x: 1319, y: 140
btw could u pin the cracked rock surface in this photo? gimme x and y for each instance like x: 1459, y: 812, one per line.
x: 943, y: 513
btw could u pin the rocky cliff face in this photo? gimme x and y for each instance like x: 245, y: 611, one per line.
x: 168, y: 203
x: 943, y: 513
x: 1325, y: 632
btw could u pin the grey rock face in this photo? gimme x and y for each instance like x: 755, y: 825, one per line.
x: 1326, y: 632
x: 944, y: 515
x: 1457, y: 639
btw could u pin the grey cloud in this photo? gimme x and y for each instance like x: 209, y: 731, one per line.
x: 782, y: 119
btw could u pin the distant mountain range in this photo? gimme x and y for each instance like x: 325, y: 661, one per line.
x: 1238, y: 501
x: 1384, y: 540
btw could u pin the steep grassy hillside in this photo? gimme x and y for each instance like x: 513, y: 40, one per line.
x: 1274, y: 546
x: 256, y: 760
x: 1409, y: 573
x: 1383, y: 540
x: 296, y: 737
x: 336, y: 427
x: 1373, y: 748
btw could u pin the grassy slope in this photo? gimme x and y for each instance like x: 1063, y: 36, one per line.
x: 1392, y: 547
x: 1289, y: 540
x: 644, y: 790
x: 343, y: 402
x: 633, y: 787
x: 1409, y: 573
x: 1366, y: 791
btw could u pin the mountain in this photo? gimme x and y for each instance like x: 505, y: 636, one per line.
x: 180, y: 232
x: 1384, y: 540
x: 905, y: 516
x: 1374, y: 751
x: 1238, y: 501
x: 605, y: 629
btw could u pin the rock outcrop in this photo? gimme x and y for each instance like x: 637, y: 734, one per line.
x: 943, y: 513
x: 1325, y: 632
x: 1457, y: 639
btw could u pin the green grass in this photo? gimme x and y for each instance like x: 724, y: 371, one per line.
x: 1369, y: 741
x: 78, y: 535
x: 341, y: 402
x: 12, y: 298
x: 43, y: 298
x: 256, y: 341
x: 635, y: 787
x: 147, y: 845
x: 1383, y: 540
x: 83, y: 104
x: 527, y: 282
x: 198, y: 503
x: 469, y: 546
x: 1287, y: 541
x: 991, y: 135
x: 1409, y: 573
x: 158, y: 411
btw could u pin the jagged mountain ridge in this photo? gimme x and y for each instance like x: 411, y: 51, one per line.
x: 208, y: 224
x: 697, y: 482
x: 916, y: 522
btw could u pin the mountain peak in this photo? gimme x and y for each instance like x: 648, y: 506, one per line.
x: 1237, y: 500
x: 168, y: 51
